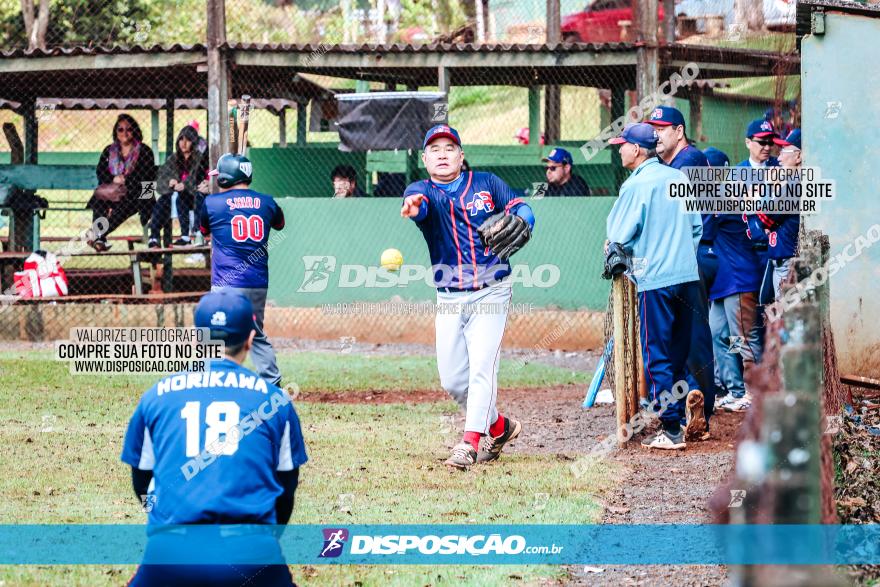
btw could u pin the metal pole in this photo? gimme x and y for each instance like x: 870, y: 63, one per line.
x: 534, y: 115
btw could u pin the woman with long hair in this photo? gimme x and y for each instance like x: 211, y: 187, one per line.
x: 185, y: 173
x: 126, y: 161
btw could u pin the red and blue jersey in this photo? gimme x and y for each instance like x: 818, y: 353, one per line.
x: 449, y: 220
x: 740, y: 267
x: 239, y: 222
x: 214, y: 441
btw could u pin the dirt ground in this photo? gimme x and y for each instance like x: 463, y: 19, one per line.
x: 651, y: 487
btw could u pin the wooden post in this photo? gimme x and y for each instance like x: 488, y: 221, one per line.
x: 695, y: 124
x: 218, y: 133
x: 626, y: 352
x: 669, y: 21
x: 443, y: 79
x: 647, y: 54
x: 534, y: 115
x: 302, y: 125
x: 282, y: 126
x: 16, y: 147
x: 31, y: 130
x: 618, y: 108
x: 154, y: 128
x: 553, y: 93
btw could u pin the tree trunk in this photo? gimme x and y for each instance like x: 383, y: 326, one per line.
x: 42, y: 24
x: 27, y: 12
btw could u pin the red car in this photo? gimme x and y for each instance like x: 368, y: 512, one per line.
x: 604, y: 21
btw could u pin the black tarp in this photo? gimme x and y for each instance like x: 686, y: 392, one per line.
x: 384, y: 121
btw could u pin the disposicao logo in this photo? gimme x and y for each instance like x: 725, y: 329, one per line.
x: 334, y: 540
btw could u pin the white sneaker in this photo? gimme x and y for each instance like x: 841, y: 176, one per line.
x: 739, y: 404
x: 723, y: 401
x: 664, y: 440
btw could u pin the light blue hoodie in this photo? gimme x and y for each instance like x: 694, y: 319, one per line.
x: 663, y: 239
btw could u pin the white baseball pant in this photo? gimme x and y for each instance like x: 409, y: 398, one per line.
x: 470, y: 326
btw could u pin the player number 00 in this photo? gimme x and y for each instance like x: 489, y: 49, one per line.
x: 247, y: 227
x: 220, y: 418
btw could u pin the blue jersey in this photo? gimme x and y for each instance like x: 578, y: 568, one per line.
x: 691, y: 156
x: 740, y: 268
x: 239, y: 221
x: 782, y: 233
x: 449, y: 221
x: 214, y: 441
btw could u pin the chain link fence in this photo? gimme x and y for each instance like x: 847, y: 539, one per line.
x: 72, y: 80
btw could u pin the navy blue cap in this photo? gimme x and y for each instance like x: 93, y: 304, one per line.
x: 716, y: 157
x: 442, y: 130
x: 760, y: 128
x: 228, y: 314
x: 666, y: 116
x: 558, y: 155
x: 793, y: 139
x: 637, y: 133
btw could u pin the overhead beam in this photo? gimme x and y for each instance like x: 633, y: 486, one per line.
x: 120, y: 61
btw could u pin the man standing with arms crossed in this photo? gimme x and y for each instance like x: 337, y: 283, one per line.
x: 239, y: 220
x: 663, y: 242
x: 458, y: 214
x: 221, y: 446
x: 675, y: 151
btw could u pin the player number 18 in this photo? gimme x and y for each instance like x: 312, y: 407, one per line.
x: 221, y: 418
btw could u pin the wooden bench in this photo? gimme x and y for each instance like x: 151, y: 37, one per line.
x: 136, y: 257
x: 131, y: 241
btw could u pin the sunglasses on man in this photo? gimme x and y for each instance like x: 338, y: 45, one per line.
x: 763, y: 143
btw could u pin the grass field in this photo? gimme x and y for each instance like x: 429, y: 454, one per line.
x: 61, y: 436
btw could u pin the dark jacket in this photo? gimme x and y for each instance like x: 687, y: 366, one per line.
x: 575, y: 186
x: 196, y: 168
x: 144, y: 170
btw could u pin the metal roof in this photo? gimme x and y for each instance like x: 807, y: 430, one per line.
x: 806, y: 8
x: 270, y: 71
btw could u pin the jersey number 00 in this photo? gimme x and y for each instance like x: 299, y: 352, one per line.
x: 247, y: 228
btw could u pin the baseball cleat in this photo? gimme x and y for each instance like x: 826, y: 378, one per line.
x: 695, y: 428
x: 463, y: 456
x: 740, y: 404
x: 665, y: 440
x: 493, y: 445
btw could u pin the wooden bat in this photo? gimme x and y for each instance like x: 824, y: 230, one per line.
x: 233, y: 129
x: 244, y: 111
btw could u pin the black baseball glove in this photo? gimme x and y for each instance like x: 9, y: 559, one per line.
x: 617, y: 261
x: 505, y: 234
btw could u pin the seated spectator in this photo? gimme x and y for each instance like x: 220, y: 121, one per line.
x: 185, y: 174
x: 126, y: 161
x: 345, y: 185
x: 390, y: 185
x: 561, y: 180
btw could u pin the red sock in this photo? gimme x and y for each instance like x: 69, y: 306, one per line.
x: 473, y: 438
x: 497, y: 428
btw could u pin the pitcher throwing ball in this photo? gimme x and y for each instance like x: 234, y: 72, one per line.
x: 473, y: 223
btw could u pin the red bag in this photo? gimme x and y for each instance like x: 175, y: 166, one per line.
x: 42, y: 277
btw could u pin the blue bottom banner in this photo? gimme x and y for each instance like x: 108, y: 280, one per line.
x: 440, y: 544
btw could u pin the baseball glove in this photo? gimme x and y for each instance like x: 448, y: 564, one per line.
x: 505, y: 234
x: 617, y: 261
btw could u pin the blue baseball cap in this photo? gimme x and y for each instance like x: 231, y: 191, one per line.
x: 637, y: 133
x: 666, y: 116
x: 228, y: 314
x: 558, y: 155
x: 716, y: 157
x: 760, y: 128
x: 442, y: 130
x: 793, y: 139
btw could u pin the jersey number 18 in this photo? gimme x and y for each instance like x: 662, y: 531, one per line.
x: 221, y: 418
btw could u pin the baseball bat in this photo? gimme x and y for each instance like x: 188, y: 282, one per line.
x: 233, y: 130
x: 599, y: 375
x: 244, y: 112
